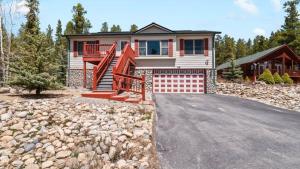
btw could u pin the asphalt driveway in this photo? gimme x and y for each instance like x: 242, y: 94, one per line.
x: 221, y: 132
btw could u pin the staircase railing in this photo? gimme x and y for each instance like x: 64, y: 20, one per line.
x: 122, y: 80
x: 101, y: 68
x: 95, y: 50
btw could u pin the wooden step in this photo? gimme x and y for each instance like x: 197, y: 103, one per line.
x: 100, y: 94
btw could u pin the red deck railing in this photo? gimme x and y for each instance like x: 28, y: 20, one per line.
x: 123, y: 81
x: 96, y: 50
x: 102, y: 67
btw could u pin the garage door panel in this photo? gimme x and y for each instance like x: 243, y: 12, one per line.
x: 178, y: 83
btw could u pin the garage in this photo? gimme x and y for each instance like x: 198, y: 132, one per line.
x: 179, y: 81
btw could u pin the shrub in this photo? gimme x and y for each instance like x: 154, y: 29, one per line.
x: 286, y: 79
x: 267, y: 77
x: 247, y: 80
x: 277, y: 78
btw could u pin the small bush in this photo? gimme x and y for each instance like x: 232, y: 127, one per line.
x: 286, y: 79
x: 267, y: 77
x: 277, y: 78
x: 247, y: 80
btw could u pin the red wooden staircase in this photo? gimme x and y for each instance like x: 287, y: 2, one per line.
x: 113, y: 76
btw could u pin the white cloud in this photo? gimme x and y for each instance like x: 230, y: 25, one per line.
x: 18, y: 7
x: 276, y: 4
x: 247, y: 5
x: 259, y: 31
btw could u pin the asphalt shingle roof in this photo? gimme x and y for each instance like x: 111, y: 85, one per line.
x: 250, y: 58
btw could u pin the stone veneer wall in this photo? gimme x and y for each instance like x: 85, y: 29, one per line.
x: 211, y: 75
x: 75, y: 78
x: 148, y: 74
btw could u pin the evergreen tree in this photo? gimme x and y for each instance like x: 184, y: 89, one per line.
x: 291, y: 27
x: 81, y: 24
x: 229, y: 48
x: 133, y: 28
x: 241, y: 48
x: 260, y: 43
x: 234, y: 72
x: 219, y: 45
x: 275, y: 39
x: 35, y: 67
x: 69, y: 28
x: 60, y: 48
x: 49, y: 32
x: 115, y: 28
x: 104, y: 27
x: 32, y: 27
x: 249, y: 47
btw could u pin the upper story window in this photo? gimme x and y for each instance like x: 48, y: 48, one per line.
x: 194, y: 47
x: 153, y: 47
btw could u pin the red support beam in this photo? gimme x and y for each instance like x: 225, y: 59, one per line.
x: 84, y: 74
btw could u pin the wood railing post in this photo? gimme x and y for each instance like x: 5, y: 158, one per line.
x: 143, y: 88
x: 95, y: 78
x: 84, y: 49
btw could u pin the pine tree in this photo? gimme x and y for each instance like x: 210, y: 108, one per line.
x: 104, y: 27
x: 275, y: 39
x: 241, y: 48
x: 60, y: 48
x: 35, y: 67
x: 260, y: 43
x: 249, y: 47
x: 81, y: 24
x: 69, y: 28
x: 234, y: 72
x: 219, y: 45
x: 115, y: 28
x: 49, y: 32
x: 133, y: 28
x: 229, y: 48
x: 291, y: 27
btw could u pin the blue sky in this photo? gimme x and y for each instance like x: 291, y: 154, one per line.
x: 238, y: 18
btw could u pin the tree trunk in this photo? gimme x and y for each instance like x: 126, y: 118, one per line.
x: 38, y: 91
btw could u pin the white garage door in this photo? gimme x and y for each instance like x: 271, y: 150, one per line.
x: 178, y: 81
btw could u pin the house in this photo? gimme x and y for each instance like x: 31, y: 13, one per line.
x: 154, y: 59
x: 280, y: 59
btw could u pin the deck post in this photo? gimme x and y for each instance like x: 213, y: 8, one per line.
x: 143, y: 88
x: 84, y: 74
x: 283, y: 64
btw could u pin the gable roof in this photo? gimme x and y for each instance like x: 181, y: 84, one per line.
x: 143, y: 31
x: 153, y: 24
x: 254, y: 57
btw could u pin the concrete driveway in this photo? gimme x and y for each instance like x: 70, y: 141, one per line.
x: 221, y: 132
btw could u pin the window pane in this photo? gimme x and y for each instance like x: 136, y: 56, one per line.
x: 164, y: 51
x: 199, y: 47
x: 123, y: 43
x: 164, y: 43
x: 142, y: 44
x: 188, y: 47
x: 142, y: 51
x: 153, y: 48
x: 80, y: 48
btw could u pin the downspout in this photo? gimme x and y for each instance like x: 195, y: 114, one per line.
x: 68, y: 72
x: 213, y: 60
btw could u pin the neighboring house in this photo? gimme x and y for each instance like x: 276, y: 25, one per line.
x: 280, y: 59
x: 180, y: 61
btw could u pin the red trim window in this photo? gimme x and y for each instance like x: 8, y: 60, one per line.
x: 194, y: 46
x: 79, y: 46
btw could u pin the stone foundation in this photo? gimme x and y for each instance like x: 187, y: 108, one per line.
x: 211, y: 77
x: 75, y: 78
x: 148, y: 74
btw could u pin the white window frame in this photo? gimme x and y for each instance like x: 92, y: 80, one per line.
x: 160, y: 47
